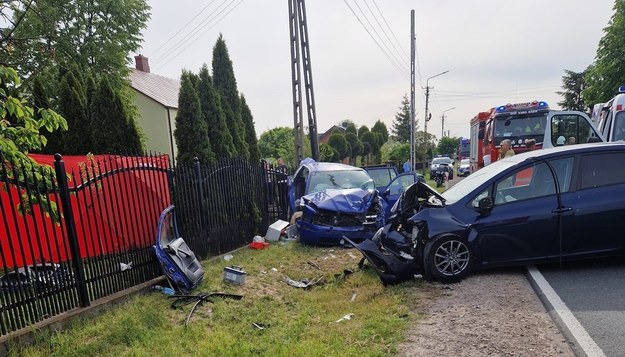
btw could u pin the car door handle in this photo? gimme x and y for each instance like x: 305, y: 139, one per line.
x: 562, y: 210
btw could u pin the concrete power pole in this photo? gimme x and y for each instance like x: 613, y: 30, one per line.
x: 412, y: 92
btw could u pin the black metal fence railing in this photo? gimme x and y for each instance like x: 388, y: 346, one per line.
x: 81, y: 236
x: 222, y: 206
x: 87, y: 233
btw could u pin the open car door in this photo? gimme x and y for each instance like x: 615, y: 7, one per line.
x: 182, y: 269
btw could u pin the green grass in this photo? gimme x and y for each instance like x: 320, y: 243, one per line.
x: 297, y: 322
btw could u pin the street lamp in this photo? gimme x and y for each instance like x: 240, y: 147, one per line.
x: 443, y: 121
x: 427, y: 99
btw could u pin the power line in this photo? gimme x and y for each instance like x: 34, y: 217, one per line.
x: 203, y: 33
x: 399, y: 68
x: 375, y: 17
x: 182, y: 28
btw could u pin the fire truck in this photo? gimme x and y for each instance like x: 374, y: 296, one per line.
x: 523, y: 121
x: 464, y: 147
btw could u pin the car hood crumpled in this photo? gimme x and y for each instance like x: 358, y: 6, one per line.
x: 354, y: 200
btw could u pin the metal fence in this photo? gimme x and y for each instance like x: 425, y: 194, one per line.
x: 87, y: 233
x: 81, y: 236
x: 222, y: 206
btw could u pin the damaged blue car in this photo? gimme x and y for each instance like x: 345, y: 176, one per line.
x: 331, y: 201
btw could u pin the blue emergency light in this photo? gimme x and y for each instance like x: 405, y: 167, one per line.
x: 621, y: 89
x: 522, y: 106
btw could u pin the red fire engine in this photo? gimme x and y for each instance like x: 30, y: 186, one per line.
x: 477, y: 136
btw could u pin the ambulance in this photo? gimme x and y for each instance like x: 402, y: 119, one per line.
x: 610, y: 117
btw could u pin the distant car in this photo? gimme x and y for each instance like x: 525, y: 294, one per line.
x: 464, y: 167
x: 444, y: 160
x: 335, y: 200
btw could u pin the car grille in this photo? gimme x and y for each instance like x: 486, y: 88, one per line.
x: 327, y: 218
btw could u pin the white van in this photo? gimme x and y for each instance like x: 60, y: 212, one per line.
x: 611, y: 117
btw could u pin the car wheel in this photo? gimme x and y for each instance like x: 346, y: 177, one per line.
x: 447, y: 259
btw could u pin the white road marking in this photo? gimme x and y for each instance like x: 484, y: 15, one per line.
x: 577, y: 330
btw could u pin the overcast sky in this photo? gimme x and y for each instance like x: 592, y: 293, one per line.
x: 496, y: 52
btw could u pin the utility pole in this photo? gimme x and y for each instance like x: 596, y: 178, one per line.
x: 412, y: 93
x: 443, y: 121
x: 299, y: 38
x: 428, y: 115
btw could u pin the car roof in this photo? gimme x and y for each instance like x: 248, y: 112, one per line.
x: 579, y: 148
x: 330, y: 166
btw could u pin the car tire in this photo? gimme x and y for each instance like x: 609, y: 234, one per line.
x: 447, y: 259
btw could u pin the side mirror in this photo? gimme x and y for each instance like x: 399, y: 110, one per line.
x: 386, y: 193
x: 485, y: 205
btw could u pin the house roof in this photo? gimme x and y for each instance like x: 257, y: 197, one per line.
x: 162, y: 89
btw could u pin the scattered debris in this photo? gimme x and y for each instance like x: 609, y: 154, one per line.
x: 352, y: 255
x: 181, y: 300
x: 353, y: 296
x: 343, y: 275
x: 234, y: 275
x: 346, y: 317
x: 227, y: 257
x: 314, y: 265
x: 304, y: 283
x: 274, y: 270
x: 259, y: 326
x: 125, y: 266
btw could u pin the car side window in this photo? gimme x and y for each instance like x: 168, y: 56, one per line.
x: 535, y: 181
x: 570, y: 130
x: 476, y: 201
x: 400, y: 184
x: 602, y: 169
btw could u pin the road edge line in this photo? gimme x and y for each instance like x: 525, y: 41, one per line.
x: 576, y: 329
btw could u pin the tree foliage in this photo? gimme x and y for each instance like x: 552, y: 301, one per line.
x: 20, y: 133
x: 338, y: 142
x: 363, y: 129
x: 370, y: 143
x: 351, y: 128
x: 401, y: 125
x: 250, y: 132
x: 448, y: 146
x: 380, y: 128
x: 191, y: 132
x: 210, y: 104
x: 226, y: 84
x: 112, y: 130
x: 355, y: 145
x: 607, y: 73
x: 73, y: 107
x: 95, y: 35
x: 573, y: 85
x: 327, y: 153
x: 280, y: 142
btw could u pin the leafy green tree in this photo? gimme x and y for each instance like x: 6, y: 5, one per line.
x: 226, y: 84
x: 424, y: 145
x: 401, y: 124
x: 73, y: 106
x: 351, y: 128
x: 448, y: 146
x: 370, y: 139
x: 112, y: 130
x: 250, y: 131
x: 20, y: 127
x: 355, y: 144
x: 363, y: 129
x: 573, y: 85
x: 191, y: 132
x: 95, y: 35
x: 607, y: 73
x: 40, y: 101
x: 338, y: 142
x: 380, y: 128
x: 399, y: 153
x: 327, y: 153
x: 210, y: 103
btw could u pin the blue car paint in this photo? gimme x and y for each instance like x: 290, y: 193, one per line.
x: 573, y: 224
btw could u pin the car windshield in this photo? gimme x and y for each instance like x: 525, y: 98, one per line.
x: 465, y: 162
x: 322, y: 180
x: 473, y: 181
x: 619, y: 127
x: 441, y: 160
x: 520, y: 127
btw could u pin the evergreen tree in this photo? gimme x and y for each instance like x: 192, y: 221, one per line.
x: 235, y: 129
x: 401, y: 124
x: 250, y: 131
x: 355, y: 144
x: 73, y: 107
x: 363, y: 129
x: 112, y: 130
x: 607, y: 73
x: 226, y: 84
x: 338, y: 142
x: 380, y: 127
x: 191, y: 131
x: 210, y: 103
x: 53, y: 140
x: 573, y: 85
x: 370, y: 139
x: 351, y: 128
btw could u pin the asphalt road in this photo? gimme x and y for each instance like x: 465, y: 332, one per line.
x: 594, y: 293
